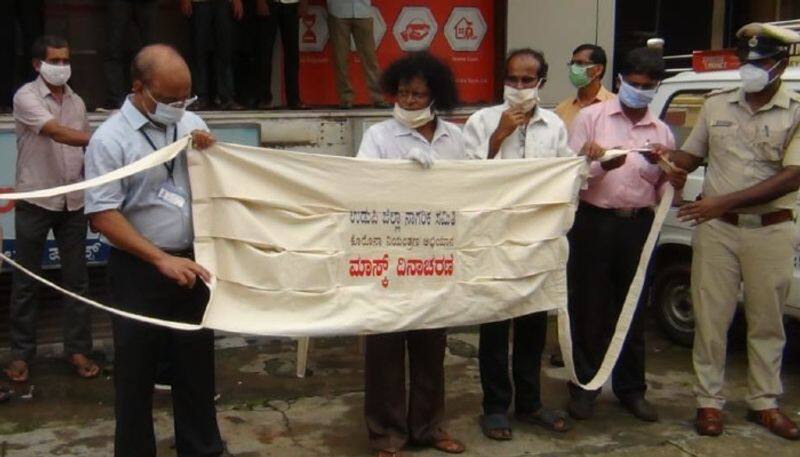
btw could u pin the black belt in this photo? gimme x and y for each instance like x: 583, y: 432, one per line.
x: 185, y: 253
x: 623, y: 213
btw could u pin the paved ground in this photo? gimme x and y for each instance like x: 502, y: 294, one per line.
x: 265, y: 411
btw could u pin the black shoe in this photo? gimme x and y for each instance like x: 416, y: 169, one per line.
x: 231, y: 105
x: 382, y: 104
x: 345, y: 105
x: 580, y: 407
x: 640, y: 407
x: 5, y: 394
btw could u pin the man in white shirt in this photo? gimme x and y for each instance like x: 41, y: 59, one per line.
x: 516, y: 129
x: 421, y: 84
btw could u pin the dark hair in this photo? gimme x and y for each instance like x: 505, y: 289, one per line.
x: 437, y: 75
x: 597, y: 55
x: 543, y: 66
x: 643, y: 61
x: 39, y: 48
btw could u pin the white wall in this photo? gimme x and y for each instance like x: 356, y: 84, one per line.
x: 556, y: 27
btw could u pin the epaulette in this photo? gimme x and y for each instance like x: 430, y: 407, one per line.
x: 724, y: 90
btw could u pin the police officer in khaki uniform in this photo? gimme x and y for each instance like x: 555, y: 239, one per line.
x: 744, y: 233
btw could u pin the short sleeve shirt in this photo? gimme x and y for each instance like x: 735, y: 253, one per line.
x: 43, y: 163
x: 745, y: 148
x: 392, y: 140
x: 123, y: 139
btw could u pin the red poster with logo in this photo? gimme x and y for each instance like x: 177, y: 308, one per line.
x: 459, y: 31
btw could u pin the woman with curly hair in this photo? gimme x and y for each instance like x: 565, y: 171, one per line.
x: 421, y: 85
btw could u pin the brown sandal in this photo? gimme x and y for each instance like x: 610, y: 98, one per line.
x: 448, y: 445
x: 776, y: 422
x: 388, y: 453
x: 17, y: 371
x: 84, y: 367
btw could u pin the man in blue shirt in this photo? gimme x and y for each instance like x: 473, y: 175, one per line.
x: 147, y: 219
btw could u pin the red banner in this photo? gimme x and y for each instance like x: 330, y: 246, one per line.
x: 459, y: 31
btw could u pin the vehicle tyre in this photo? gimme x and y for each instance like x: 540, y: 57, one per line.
x: 673, y: 302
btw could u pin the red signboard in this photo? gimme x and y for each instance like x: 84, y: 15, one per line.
x: 722, y: 59
x: 459, y: 31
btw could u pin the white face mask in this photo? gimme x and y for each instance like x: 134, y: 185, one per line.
x: 166, y: 114
x: 525, y: 99
x: 55, y: 75
x: 413, y: 118
x: 754, y: 78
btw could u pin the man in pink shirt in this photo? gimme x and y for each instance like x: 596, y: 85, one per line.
x: 611, y: 225
x: 52, y: 129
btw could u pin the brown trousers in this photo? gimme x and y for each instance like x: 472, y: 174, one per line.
x: 361, y: 29
x: 389, y: 425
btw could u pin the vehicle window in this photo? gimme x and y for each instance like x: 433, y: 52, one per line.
x: 681, y: 112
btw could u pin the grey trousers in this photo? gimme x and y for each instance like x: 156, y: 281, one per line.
x: 32, y: 226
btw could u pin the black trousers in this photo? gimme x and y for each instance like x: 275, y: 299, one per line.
x: 389, y: 423
x: 119, y: 16
x: 29, y: 15
x: 32, y: 224
x: 212, y: 29
x: 604, y: 254
x: 283, y: 17
x: 529, y: 339
x: 138, y: 347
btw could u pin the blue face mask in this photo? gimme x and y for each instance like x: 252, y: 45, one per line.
x: 633, y: 97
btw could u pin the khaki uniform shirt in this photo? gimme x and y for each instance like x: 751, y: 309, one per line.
x: 745, y: 148
x: 569, y: 108
x: 43, y: 163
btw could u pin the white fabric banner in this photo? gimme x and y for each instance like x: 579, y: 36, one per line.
x: 310, y: 245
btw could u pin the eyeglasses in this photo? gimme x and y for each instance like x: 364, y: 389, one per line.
x: 180, y: 104
x: 412, y: 95
x: 521, y: 80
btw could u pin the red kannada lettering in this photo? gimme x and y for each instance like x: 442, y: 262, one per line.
x: 433, y: 266
x: 370, y: 267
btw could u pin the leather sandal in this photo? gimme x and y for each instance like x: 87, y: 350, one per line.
x: 388, y: 453
x: 448, y: 445
x: 776, y: 422
x: 708, y: 422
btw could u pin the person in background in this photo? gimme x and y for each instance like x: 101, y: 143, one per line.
x: 421, y: 85
x: 283, y: 15
x: 148, y: 223
x: 611, y: 225
x: 29, y: 14
x: 516, y: 129
x: 586, y: 70
x: 748, y: 136
x: 52, y: 129
x: 348, y: 18
x: 212, y: 27
x: 119, y: 15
